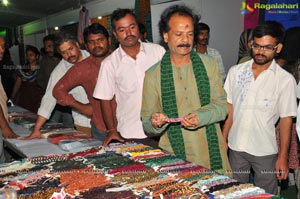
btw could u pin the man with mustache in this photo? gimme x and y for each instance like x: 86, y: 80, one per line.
x: 69, y: 49
x: 122, y: 75
x: 85, y: 74
x: 259, y: 92
x: 49, y: 61
x: 5, y: 130
x: 183, y: 98
x: 201, y: 46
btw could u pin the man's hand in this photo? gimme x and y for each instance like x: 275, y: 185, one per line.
x: 158, y: 119
x: 191, y: 120
x: 112, y: 135
x: 8, y: 133
x: 282, y: 169
x: 33, y: 135
x: 225, y: 141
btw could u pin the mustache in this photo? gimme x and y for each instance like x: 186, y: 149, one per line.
x: 98, y: 48
x: 259, y: 55
x: 184, y: 45
x: 130, y: 36
x: 69, y: 58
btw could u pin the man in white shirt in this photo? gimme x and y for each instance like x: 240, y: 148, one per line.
x: 122, y: 75
x: 259, y: 92
x: 201, y: 46
x: 71, y: 53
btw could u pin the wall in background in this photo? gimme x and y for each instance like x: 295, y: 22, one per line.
x: 224, y: 19
x: 95, y: 8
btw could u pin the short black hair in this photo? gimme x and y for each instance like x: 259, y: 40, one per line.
x: 119, y: 14
x: 32, y: 49
x: 64, y: 37
x: 95, y: 28
x: 202, y: 26
x: 271, y: 28
x: 49, y: 37
x: 170, y: 11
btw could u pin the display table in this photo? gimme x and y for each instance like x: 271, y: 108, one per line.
x: 129, y: 170
x: 28, y: 148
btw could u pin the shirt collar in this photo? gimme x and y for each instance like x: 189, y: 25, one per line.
x: 272, y: 67
x: 123, y: 54
x: 67, y: 64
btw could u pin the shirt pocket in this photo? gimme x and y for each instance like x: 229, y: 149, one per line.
x: 128, y: 85
x: 266, y: 102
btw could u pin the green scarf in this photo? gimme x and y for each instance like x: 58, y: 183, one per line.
x: 170, y: 107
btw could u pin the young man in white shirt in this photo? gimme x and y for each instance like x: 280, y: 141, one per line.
x: 259, y: 92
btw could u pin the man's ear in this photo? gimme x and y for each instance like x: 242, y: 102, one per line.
x: 249, y: 43
x: 279, y: 48
x: 114, y: 32
x: 166, y: 37
x: 77, y: 44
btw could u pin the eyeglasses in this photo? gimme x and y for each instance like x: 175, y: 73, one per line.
x: 267, y: 48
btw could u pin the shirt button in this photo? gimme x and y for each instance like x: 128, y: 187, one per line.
x: 180, y: 78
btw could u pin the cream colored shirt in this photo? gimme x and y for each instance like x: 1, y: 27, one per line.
x: 48, y: 101
x: 122, y: 76
x: 257, y: 105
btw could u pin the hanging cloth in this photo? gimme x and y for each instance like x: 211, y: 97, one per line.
x: 84, y: 21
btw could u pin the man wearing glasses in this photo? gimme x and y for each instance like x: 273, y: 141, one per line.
x: 259, y: 92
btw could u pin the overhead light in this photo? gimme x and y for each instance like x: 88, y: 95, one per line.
x: 71, y: 22
x: 5, y: 2
x: 100, y: 17
x: 56, y: 28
